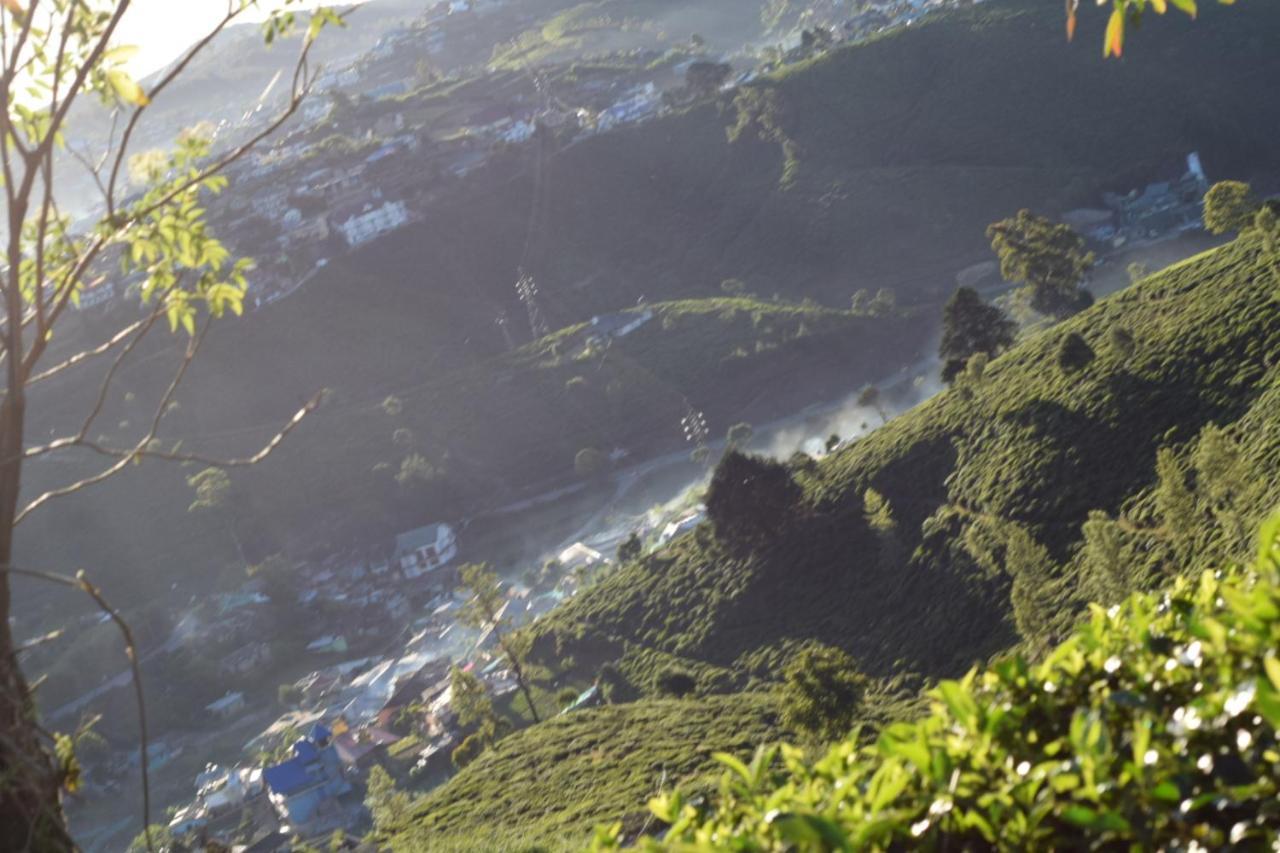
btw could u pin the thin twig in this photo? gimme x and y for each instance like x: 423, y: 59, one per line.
x: 81, y: 582
x: 141, y: 451
x: 103, y: 348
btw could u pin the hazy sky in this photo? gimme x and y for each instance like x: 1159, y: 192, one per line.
x: 162, y: 28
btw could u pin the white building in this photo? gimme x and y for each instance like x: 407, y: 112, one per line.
x: 369, y: 222
x: 228, y: 706
x: 682, y: 525
x: 643, y: 102
x: 425, y: 549
x: 579, y: 554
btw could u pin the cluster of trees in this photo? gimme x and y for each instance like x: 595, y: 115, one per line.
x: 749, y: 499
x: 1052, y: 262
x: 882, y: 304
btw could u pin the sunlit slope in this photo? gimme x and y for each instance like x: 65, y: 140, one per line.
x: 1033, y: 448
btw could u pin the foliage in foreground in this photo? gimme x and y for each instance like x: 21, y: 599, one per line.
x: 1153, y: 726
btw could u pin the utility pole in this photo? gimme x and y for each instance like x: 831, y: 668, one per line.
x: 527, y: 290
x: 694, y: 426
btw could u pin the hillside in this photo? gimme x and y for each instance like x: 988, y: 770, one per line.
x: 904, y: 158
x: 989, y: 487
x: 485, y: 430
x: 905, y: 155
x: 1153, y: 726
x: 552, y: 783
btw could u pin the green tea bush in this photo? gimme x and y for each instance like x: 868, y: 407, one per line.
x: 1154, y: 726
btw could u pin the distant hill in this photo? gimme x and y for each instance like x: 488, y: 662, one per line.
x: 486, y: 430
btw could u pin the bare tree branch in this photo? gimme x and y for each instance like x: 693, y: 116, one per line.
x: 141, y: 450
x: 81, y: 582
x: 138, y: 452
x: 105, y: 347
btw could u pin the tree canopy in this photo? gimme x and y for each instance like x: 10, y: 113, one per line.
x: 749, y: 495
x: 970, y: 326
x: 1229, y: 206
x: 1050, y: 258
x: 821, y: 693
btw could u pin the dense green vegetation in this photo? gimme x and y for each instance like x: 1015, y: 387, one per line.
x: 1153, y: 726
x: 551, y: 783
x: 1011, y: 501
x: 981, y: 521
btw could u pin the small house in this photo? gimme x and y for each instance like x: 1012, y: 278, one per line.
x: 362, y: 748
x: 425, y: 549
x: 579, y: 555
x: 360, y: 223
x: 329, y: 643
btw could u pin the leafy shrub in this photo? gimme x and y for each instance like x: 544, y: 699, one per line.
x: 1229, y: 206
x: 1154, y: 726
x: 822, y: 693
x: 675, y: 682
x: 1074, y: 354
x: 469, y: 750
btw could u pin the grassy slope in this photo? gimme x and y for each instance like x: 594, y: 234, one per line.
x: 1033, y: 446
x: 552, y: 783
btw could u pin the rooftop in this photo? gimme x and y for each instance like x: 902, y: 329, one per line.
x: 419, y: 538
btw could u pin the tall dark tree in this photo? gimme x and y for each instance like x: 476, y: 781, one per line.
x: 750, y: 496
x: 971, y: 326
x: 1050, y: 258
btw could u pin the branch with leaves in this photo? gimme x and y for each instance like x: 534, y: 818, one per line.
x: 53, y: 55
x: 1126, y: 14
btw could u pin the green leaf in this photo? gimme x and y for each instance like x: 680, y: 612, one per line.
x: 808, y: 831
x: 734, y: 764
x: 126, y: 88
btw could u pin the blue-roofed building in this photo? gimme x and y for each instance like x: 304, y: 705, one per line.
x: 304, y: 788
